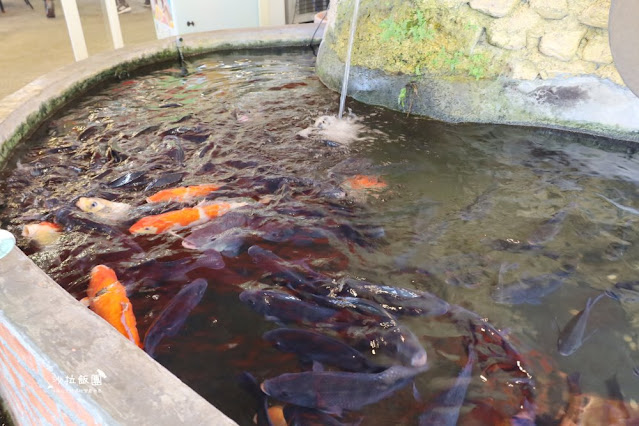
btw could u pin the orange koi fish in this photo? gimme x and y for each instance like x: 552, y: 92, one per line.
x: 178, y: 219
x: 184, y: 193
x: 43, y: 233
x: 365, y: 182
x: 107, y: 298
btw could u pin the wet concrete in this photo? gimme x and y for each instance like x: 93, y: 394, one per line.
x: 33, y: 45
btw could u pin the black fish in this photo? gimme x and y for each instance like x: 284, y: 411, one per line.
x: 72, y: 220
x: 313, y: 346
x: 164, y: 180
x: 626, y: 291
x: 250, y: 384
x: 529, y: 290
x: 170, y: 105
x: 276, y: 265
x: 302, y: 416
x: 549, y: 229
x: 573, y: 334
x: 279, y: 306
x: 202, y: 236
x: 394, y: 299
x: 126, y: 179
x: 333, y: 392
x: 174, y: 314
x: 446, y: 409
x: 480, y: 206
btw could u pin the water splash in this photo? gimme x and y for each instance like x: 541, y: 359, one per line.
x: 347, y: 65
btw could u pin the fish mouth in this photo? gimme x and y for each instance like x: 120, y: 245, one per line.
x: 419, y: 359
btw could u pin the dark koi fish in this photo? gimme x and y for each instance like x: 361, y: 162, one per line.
x: 333, y: 392
x: 627, y: 291
x: 549, y: 229
x: 446, y: 409
x: 313, y: 346
x: 394, y: 299
x: 279, y: 306
x: 572, y: 336
x: 174, y: 314
x: 529, y: 290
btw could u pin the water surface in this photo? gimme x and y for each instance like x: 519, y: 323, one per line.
x: 461, y: 204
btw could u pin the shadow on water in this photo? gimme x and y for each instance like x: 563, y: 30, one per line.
x: 509, y: 223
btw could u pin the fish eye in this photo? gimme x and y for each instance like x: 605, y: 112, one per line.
x: 93, y: 204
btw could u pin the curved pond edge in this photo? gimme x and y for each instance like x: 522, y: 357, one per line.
x: 24, y: 110
x: 59, y: 362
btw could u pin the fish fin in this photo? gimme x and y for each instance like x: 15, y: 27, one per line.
x: 416, y: 394
x: 175, y: 235
x: 317, y: 366
x: 611, y: 295
x: 85, y: 301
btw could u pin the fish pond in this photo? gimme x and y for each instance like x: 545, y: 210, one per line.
x: 387, y: 269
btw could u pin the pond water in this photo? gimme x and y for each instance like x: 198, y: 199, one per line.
x: 515, y: 228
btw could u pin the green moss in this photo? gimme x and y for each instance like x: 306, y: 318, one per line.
x: 417, y: 39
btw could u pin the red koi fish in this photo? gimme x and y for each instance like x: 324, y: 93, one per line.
x: 107, y: 298
x: 184, y: 193
x: 365, y: 182
x: 42, y: 233
x: 178, y: 219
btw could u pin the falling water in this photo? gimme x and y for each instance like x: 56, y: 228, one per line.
x: 347, y: 66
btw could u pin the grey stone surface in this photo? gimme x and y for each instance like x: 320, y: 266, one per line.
x: 584, y: 104
x: 136, y: 390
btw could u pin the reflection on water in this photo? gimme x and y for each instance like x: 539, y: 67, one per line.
x: 520, y: 226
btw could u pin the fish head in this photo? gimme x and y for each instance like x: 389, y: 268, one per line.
x: 101, y: 277
x: 254, y: 299
x: 291, y: 387
x: 149, y: 225
x: 90, y: 205
x: 43, y: 232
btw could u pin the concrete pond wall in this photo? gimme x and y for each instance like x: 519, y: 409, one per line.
x: 59, y: 362
x: 543, y: 63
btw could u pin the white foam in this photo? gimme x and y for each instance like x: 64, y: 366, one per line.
x: 343, y: 131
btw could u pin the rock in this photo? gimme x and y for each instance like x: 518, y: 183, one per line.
x: 597, y: 49
x: 451, y: 3
x: 551, y: 67
x: 523, y: 69
x: 511, y: 32
x: 495, y: 8
x: 562, y: 39
x: 550, y: 9
x: 610, y: 72
x: 596, y: 15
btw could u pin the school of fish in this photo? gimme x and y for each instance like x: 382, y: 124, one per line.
x: 328, y: 343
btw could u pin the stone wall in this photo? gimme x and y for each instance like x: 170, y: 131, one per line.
x: 433, y: 46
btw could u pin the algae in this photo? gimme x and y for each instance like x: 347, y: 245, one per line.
x: 418, y: 38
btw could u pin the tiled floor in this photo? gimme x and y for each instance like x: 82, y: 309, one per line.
x: 32, y: 44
